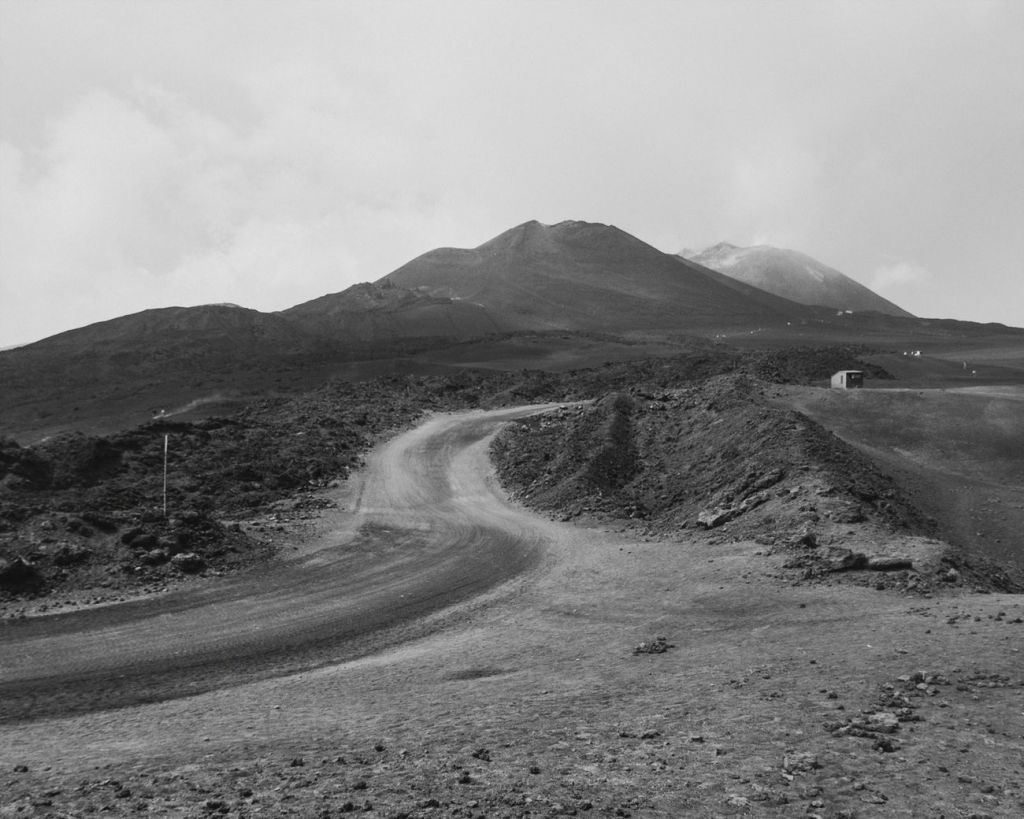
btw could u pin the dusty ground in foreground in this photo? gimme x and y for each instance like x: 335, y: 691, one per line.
x: 531, y: 702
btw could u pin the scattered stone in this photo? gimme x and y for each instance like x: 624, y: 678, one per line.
x: 71, y: 554
x: 887, y: 745
x: 796, y: 762
x: 659, y: 645
x: 884, y: 722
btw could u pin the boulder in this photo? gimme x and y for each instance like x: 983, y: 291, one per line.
x: 79, y: 527
x: 188, y: 562
x: 710, y: 518
x: 144, y: 541
x: 807, y: 538
x: 102, y: 522
x: 18, y: 573
x: 844, y: 560
x: 852, y: 513
x: 172, y: 543
x: 71, y: 553
x: 767, y: 480
x: 154, y: 557
x: 889, y: 564
x: 129, y: 537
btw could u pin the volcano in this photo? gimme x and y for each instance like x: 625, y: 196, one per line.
x: 590, y: 277
x: 794, y: 276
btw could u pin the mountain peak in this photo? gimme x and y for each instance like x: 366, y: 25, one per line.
x: 795, y: 276
x: 584, y: 276
x: 536, y: 236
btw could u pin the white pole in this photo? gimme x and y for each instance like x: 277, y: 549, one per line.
x: 165, y: 475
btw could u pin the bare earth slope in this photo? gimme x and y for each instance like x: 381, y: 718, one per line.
x: 960, y: 451
x: 768, y: 699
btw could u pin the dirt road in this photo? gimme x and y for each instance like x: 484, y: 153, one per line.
x: 527, y: 699
x: 428, y: 530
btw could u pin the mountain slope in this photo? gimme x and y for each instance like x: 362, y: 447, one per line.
x: 130, y: 366
x: 793, y: 275
x: 585, y: 276
x: 157, y: 331
x: 373, y: 313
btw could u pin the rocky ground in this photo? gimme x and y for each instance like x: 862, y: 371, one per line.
x: 82, y: 517
x: 706, y: 640
x: 719, y: 459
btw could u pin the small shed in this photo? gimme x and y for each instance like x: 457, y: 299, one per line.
x: 848, y: 380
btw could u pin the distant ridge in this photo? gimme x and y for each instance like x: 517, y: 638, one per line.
x: 164, y: 329
x: 382, y: 311
x: 545, y: 295
x: 793, y: 275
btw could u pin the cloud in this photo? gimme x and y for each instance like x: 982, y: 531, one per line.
x: 141, y: 199
x: 898, y: 275
x: 273, y: 155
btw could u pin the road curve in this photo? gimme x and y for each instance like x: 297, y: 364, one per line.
x: 431, y: 528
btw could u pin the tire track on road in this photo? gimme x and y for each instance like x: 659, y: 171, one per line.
x: 444, y: 531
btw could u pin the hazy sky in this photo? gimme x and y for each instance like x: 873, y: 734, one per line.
x: 265, y: 153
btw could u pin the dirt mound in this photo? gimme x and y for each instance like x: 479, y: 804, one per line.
x: 718, y: 458
x: 676, y: 457
x: 807, y: 365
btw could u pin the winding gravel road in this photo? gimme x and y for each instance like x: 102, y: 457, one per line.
x: 431, y: 528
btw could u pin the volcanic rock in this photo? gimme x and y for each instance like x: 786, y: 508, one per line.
x: 188, y: 562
